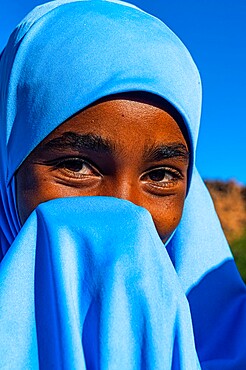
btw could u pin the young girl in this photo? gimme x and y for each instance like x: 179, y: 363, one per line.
x: 112, y: 256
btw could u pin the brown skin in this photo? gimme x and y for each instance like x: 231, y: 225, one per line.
x: 129, y: 149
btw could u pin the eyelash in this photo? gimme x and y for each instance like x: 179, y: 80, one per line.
x: 160, y: 184
x: 62, y: 162
x: 167, y: 171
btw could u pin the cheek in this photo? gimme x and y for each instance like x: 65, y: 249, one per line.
x: 35, y: 186
x: 167, y: 214
x: 32, y: 188
x: 27, y: 193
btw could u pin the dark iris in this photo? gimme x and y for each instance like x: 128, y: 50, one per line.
x: 157, y: 175
x: 73, y: 165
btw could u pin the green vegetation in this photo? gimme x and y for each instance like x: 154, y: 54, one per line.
x: 238, y: 247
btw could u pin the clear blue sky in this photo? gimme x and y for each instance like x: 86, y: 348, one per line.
x: 215, y: 33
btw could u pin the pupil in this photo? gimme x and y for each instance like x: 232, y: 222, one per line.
x: 74, y: 166
x: 157, y: 175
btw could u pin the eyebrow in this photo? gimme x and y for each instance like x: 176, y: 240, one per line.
x: 93, y: 142
x: 166, y: 151
x: 79, y: 142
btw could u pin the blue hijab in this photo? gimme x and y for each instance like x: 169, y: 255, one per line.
x: 97, y: 288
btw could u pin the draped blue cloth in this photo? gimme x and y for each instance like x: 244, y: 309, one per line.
x: 86, y: 282
x: 98, y: 291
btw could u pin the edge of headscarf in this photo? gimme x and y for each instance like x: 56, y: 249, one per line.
x: 23, y: 28
x: 42, y: 10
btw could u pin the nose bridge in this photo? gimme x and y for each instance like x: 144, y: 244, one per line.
x: 127, y: 188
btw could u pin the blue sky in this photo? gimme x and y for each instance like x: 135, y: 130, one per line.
x: 215, y: 33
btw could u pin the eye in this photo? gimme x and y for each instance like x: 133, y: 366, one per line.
x: 162, y: 177
x: 77, y: 167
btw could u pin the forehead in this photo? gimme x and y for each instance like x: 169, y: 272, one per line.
x: 127, y: 119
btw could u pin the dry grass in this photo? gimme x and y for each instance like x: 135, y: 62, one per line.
x: 230, y: 203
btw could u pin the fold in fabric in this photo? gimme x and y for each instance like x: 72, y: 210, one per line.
x: 86, y: 299
x: 127, y: 304
x: 213, y: 285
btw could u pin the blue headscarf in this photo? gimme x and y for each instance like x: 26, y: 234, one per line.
x: 62, y: 57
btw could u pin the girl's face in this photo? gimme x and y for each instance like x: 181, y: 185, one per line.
x: 120, y: 148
